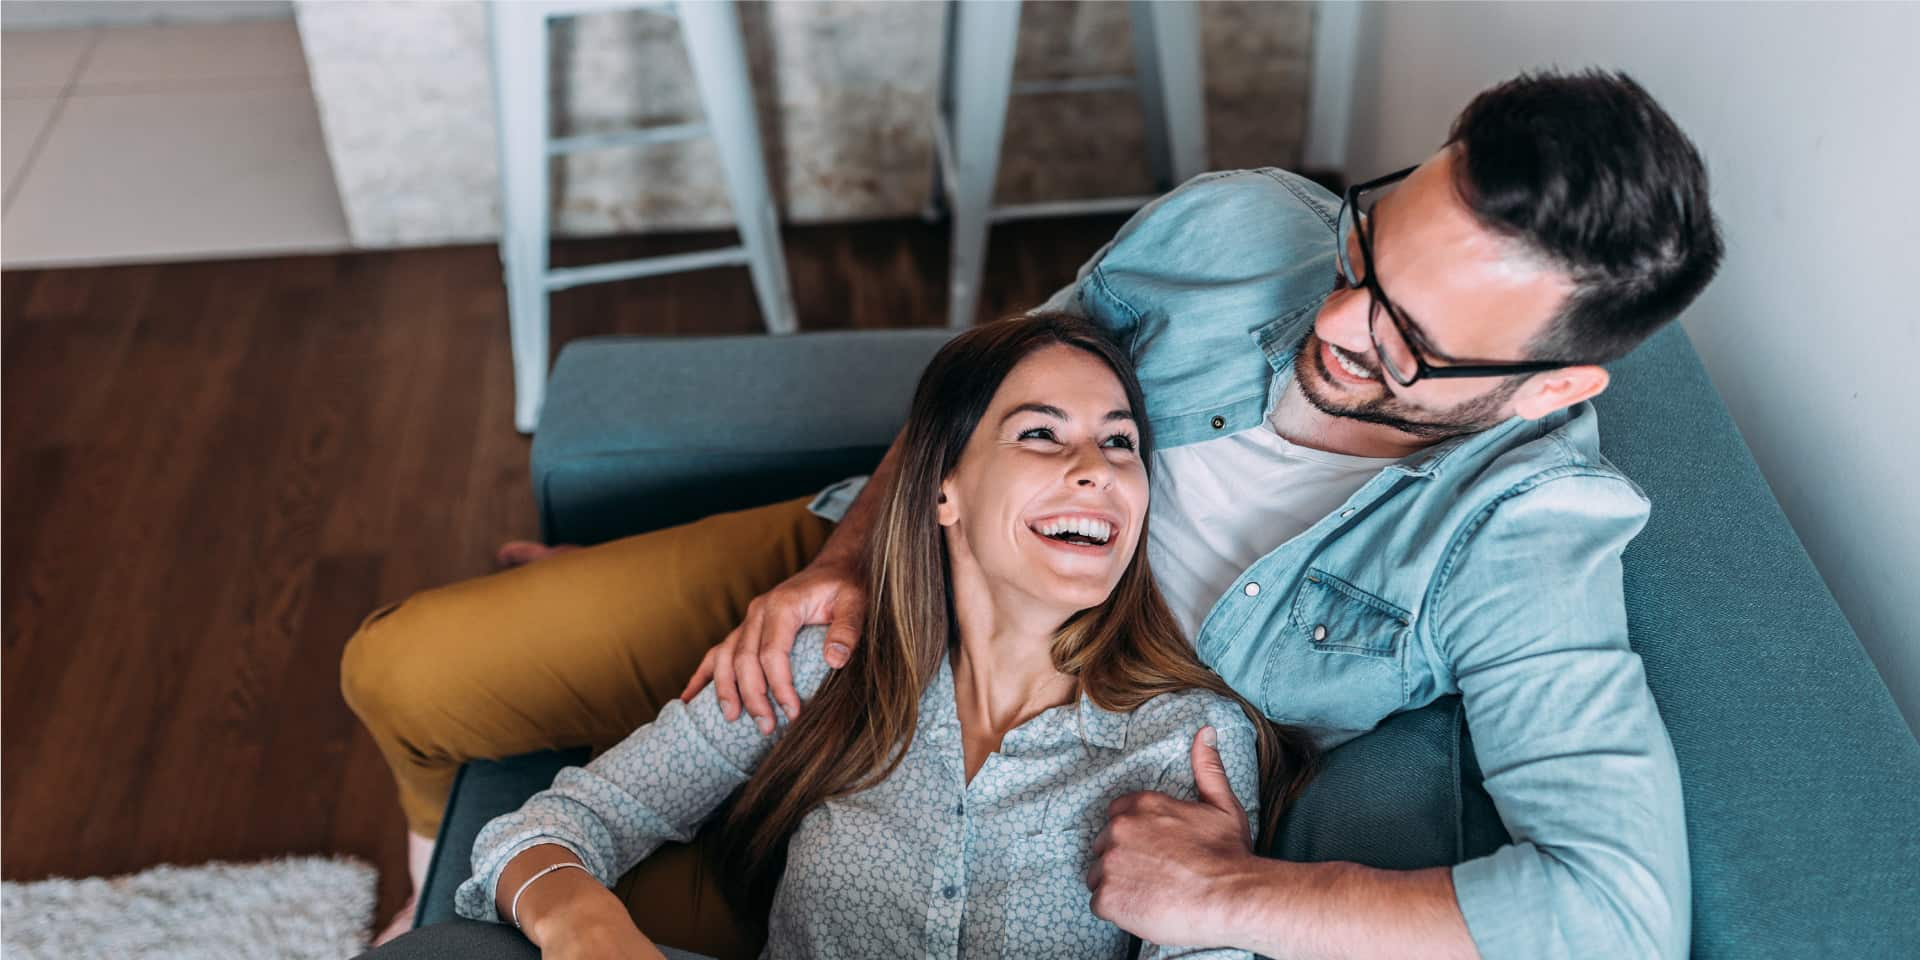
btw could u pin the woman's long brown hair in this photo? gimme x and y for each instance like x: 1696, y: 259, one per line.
x: 861, y: 721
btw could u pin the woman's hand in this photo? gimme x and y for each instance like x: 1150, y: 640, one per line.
x: 755, y: 661
x: 592, y: 925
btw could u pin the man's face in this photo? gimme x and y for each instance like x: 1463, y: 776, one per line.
x: 1470, y: 294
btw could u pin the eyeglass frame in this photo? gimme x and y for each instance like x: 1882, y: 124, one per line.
x: 1379, y: 303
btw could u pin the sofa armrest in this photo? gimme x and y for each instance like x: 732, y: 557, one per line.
x: 482, y: 790
x: 640, y: 433
x: 1802, y: 782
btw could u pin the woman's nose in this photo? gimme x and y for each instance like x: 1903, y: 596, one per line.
x: 1091, y: 469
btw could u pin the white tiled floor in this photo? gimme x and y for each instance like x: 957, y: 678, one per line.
x: 162, y: 143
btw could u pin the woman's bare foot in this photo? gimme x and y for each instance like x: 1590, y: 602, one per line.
x: 419, y: 856
x: 519, y: 553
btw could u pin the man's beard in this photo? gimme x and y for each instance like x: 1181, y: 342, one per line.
x: 1388, y: 410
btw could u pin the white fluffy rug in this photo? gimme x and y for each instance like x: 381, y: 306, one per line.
x: 294, y: 907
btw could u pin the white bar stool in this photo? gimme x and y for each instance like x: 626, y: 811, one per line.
x: 981, y: 37
x: 711, y: 30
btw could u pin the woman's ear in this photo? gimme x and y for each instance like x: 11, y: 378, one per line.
x: 944, y: 511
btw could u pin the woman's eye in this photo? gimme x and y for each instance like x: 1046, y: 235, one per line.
x: 1040, y: 433
x: 1121, y: 441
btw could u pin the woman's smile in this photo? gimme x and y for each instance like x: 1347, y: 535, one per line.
x: 1079, y: 532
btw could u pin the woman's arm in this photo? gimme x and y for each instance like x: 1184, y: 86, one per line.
x: 659, y: 784
x: 566, y: 912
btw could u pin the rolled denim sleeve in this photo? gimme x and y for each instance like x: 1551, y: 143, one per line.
x: 1531, y: 619
x: 1232, y: 248
x: 658, y: 785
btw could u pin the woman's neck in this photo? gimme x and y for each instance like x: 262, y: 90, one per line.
x: 1003, y: 676
x: 1005, y: 683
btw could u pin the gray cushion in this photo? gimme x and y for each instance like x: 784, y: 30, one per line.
x: 640, y: 433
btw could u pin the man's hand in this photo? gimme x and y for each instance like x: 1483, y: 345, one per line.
x: 1167, y: 870
x: 756, y: 659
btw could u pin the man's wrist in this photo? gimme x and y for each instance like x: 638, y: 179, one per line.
x: 1252, y: 900
x: 840, y: 552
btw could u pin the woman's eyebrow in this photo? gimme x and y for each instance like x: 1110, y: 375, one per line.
x: 1049, y: 410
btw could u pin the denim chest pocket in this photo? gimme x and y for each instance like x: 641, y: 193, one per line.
x: 1340, y: 661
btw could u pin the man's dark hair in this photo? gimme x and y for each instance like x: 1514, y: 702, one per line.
x: 1589, y: 172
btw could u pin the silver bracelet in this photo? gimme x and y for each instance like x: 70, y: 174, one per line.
x: 514, y: 908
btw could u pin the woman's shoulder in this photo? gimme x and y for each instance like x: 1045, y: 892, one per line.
x: 1183, y: 713
x: 809, y: 659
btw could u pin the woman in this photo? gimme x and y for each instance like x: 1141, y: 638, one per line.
x: 941, y: 792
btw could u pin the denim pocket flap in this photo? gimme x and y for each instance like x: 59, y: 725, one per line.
x: 1334, y: 615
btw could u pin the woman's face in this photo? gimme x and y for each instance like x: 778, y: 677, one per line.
x: 1050, y: 494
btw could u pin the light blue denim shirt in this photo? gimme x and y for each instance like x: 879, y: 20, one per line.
x: 926, y: 863
x: 1487, y: 567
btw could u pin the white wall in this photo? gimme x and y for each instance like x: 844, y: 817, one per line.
x: 1809, y: 118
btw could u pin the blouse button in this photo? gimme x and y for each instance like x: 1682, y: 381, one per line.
x: 1319, y: 631
x: 1253, y: 589
x: 1219, y: 422
x: 950, y: 891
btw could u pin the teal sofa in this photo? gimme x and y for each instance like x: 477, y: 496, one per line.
x: 1802, y: 781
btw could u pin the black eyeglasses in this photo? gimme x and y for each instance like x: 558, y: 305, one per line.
x: 1395, y: 344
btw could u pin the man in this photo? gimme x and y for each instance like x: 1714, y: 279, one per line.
x: 1379, y: 483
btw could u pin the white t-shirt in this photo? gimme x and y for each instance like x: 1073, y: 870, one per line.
x: 1221, y: 504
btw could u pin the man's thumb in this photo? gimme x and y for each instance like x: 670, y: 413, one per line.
x: 1210, y: 775
x: 843, y: 634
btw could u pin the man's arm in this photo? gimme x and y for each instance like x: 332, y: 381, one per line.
x: 755, y: 660
x: 1180, y: 873
x: 1531, y: 620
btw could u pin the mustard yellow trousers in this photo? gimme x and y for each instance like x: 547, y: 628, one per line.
x: 577, y: 649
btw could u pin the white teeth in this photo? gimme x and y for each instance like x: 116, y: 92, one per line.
x: 1088, y: 527
x: 1348, y: 365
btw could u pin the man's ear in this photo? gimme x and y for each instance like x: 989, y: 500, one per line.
x: 1543, y: 393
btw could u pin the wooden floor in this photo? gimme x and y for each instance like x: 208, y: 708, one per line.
x: 212, y: 471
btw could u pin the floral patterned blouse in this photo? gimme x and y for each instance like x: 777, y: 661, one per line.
x: 924, y: 864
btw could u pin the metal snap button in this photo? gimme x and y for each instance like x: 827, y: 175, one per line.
x: 1319, y: 631
x: 1253, y: 589
x: 1219, y: 422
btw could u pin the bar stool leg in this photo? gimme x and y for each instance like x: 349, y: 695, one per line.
x: 1173, y: 33
x: 936, y: 205
x: 1146, y: 82
x: 519, y: 39
x: 985, y: 35
x: 712, y: 32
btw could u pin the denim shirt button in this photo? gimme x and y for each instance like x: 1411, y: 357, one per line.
x: 1253, y: 589
x: 1319, y: 631
x: 1348, y: 512
x: 1219, y: 422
